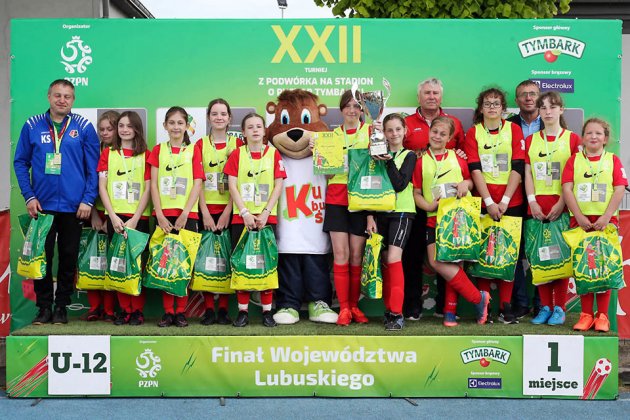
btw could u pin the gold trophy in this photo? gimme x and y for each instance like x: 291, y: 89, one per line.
x: 372, y: 104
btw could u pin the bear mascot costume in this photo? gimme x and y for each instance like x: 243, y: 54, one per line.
x: 303, y: 246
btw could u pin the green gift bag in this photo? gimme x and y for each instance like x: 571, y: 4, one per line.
x: 124, y: 262
x: 32, y: 259
x: 212, y: 271
x: 596, y: 259
x: 371, y: 276
x: 499, y: 250
x: 458, y: 229
x: 369, y: 187
x: 171, y: 261
x: 92, y: 262
x: 546, y: 250
x: 255, y: 261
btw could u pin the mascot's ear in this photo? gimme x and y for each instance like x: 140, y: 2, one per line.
x: 271, y: 108
x: 323, y: 109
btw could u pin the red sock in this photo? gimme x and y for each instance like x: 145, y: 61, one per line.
x: 168, y: 302
x: 386, y: 287
x: 182, y: 302
x: 603, y: 301
x: 94, y: 299
x: 342, y: 284
x: 463, y: 286
x: 355, y: 285
x: 505, y: 291
x: 224, y: 301
x: 450, y: 298
x: 587, y: 303
x: 208, y: 299
x: 109, y: 301
x: 546, y: 292
x: 242, y: 298
x: 484, y: 284
x: 137, y: 302
x: 266, y: 297
x: 397, y: 289
x: 124, y: 300
x: 560, y: 291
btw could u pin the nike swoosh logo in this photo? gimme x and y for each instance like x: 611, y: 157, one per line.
x: 587, y: 175
x: 542, y: 155
x: 168, y: 168
x: 121, y: 173
x: 485, y: 146
x: 213, y: 164
x: 251, y: 175
x: 444, y: 173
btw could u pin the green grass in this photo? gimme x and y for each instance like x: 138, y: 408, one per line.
x: 426, y: 326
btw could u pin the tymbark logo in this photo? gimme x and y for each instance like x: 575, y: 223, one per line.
x: 320, y: 44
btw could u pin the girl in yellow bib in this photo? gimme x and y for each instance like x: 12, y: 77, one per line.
x: 255, y: 173
x: 176, y: 179
x: 124, y: 187
x: 496, y: 159
x: 593, y: 184
x: 395, y: 226
x: 440, y: 173
x: 215, y: 203
x: 546, y: 153
x: 106, y: 127
x: 347, y: 229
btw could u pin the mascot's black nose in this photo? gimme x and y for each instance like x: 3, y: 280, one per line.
x: 295, y: 134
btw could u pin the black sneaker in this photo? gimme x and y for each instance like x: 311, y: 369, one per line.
x: 223, y: 318
x: 122, y: 318
x: 109, y: 318
x: 180, y: 320
x: 242, y: 319
x: 387, y: 317
x: 94, y: 315
x: 44, y: 316
x: 267, y: 319
x: 396, y: 323
x: 60, y: 316
x: 521, y: 311
x: 208, y: 317
x: 136, y: 318
x: 507, y: 315
x: 166, y: 321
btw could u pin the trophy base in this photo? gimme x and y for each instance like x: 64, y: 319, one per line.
x: 378, y: 149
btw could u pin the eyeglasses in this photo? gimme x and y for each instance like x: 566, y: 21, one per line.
x: 491, y: 105
x: 525, y: 95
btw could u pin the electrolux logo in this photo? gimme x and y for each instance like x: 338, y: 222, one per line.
x: 556, y: 85
x: 483, y: 383
x: 552, y: 47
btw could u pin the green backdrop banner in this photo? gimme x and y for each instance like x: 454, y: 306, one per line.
x: 150, y: 65
x: 330, y: 366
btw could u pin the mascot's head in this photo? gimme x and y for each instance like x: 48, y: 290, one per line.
x: 297, y: 114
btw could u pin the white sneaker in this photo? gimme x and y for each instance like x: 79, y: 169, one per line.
x: 286, y: 316
x: 320, y: 312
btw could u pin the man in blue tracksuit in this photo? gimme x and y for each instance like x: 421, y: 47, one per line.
x: 55, y: 165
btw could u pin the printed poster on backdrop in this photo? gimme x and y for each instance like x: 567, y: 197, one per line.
x: 325, y: 56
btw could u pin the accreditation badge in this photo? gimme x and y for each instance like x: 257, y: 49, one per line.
x: 211, y: 182
x: 53, y: 164
x: 119, y: 190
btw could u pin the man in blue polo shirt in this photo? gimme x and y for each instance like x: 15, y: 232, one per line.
x: 55, y: 165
